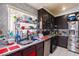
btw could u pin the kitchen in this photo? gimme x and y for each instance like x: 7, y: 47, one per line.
x: 38, y: 29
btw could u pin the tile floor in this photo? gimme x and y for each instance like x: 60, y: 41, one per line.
x: 63, y: 52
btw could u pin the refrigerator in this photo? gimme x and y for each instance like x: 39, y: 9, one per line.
x: 73, y: 38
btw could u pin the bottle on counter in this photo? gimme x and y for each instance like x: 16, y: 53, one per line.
x: 17, y: 36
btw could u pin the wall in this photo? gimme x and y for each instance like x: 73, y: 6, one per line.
x: 3, y: 18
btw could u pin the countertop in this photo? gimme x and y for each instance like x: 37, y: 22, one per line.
x: 24, y: 46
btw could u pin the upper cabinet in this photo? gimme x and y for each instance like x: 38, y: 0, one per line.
x: 61, y: 22
x: 46, y: 19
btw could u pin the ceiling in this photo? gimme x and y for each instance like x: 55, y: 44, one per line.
x: 55, y: 8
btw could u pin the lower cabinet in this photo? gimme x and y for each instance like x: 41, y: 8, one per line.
x: 40, y: 49
x: 35, y: 50
x: 30, y: 51
x: 62, y: 41
x: 47, y: 47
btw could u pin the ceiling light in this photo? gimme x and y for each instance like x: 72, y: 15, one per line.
x: 63, y: 8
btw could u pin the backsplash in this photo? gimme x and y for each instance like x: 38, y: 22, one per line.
x: 63, y: 32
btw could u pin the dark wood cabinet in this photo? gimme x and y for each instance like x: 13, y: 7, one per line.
x: 46, y: 18
x: 40, y: 49
x: 62, y: 41
x: 61, y: 22
x: 34, y: 50
x: 30, y: 51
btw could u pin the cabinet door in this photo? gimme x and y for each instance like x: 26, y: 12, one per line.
x: 62, y: 41
x: 40, y: 49
x: 45, y: 18
x: 47, y: 47
x: 61, y: 22
x: 30, y: 51
x: 40, y: 52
